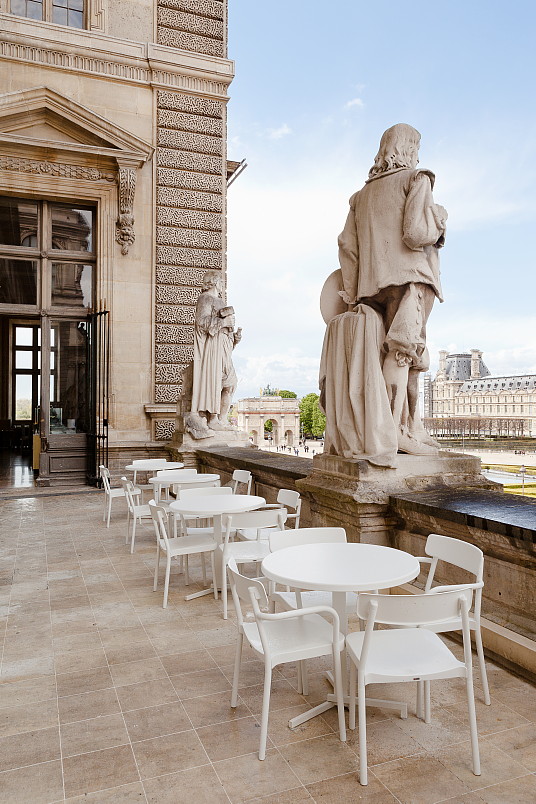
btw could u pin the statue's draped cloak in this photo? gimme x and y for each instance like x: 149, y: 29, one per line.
x: 213, y: 348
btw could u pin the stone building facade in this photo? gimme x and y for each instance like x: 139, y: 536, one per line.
x: 464, y: 389
x: 283, y: 413
x: 113, y: 116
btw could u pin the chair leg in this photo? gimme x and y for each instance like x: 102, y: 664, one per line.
x: 224, y: 585
x: 109, y: 511
x: 427, y: 715
x: 166, y: 582
x: 213, y: 567
x: 304, y: 678
x: 482, y: 663
x: 156, y: 569
x: 363, y: 774
x: 352, y: 678
x: 105, y: 506
x: 299, y: 677
x: 236, y: 674
x: 472, y: 726
x: 339, y: 694
x: 134, y: 521
x: 265, y: 709
x: 186, y: 569
x: 419, y: 703
x: 204, y: 569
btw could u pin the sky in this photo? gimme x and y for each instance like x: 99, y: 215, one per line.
x: 316, y: 85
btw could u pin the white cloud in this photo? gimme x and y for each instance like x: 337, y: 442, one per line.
x: 354, y: 102
x: 279, y: 133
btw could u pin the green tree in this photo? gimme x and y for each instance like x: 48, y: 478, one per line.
x: 268, y: 426
x: 307, y: 404
x: 288, y: 394
x: 319, y: 420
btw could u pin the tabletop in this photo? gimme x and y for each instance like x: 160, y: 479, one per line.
x: 149, y: 466
x: 171, y: 477
x: 340, y: 567
x: 218, y: 504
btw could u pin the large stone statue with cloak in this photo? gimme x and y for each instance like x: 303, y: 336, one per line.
x: 377, y: 305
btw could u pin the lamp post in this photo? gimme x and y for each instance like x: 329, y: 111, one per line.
x: 522, y: 470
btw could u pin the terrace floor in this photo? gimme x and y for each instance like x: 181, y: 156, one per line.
x: 106, y: 697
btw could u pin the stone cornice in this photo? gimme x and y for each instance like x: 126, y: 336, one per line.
x: 102, y: 56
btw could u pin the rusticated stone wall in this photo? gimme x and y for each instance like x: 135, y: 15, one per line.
x: 190, y: 202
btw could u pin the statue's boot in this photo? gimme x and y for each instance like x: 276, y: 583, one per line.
x: 410, y: 445
x: 425, y: 438
x: 215, y: 424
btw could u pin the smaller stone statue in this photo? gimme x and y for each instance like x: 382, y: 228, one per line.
x: 214, y: 378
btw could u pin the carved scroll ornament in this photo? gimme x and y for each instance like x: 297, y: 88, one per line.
x: 124, y: 234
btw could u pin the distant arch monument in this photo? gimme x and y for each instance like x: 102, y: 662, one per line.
x: 284, y: 414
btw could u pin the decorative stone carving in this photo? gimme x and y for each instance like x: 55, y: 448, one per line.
x: 190, y: 103
x: 169, y: 372
x: 171, y: 333
x: 208, y: 8
x: 209, y: 202
x: 189, y: 41
x: 200, y: 143
x: 190, y: 122
x: 178, y: 275
x: 164, y: 429
x: 174, y: 314
x: 55, y: 169
x: 191, y: 23
x: 168, y: 177
x: 171, y: 235
x: 124, y: 234
x: 373, y: 352
x: 188, y: 160
x: 196, y: 257
x: 189, y: 219
x: 176, y: 294
x: 167, y: 393
x: 169, y: 353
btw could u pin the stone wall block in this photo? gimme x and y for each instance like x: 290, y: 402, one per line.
x: 207, y: 202
x: 194, y: 257
x: 189, y: 41
x: 167, y: 393
x: 168, y: 177
x: 171, y: 353
x: 182, y: 121
x: 190, y: 103
x: 205, y: 8
x: 174, y: 314
x: 187, y: 141
x: 189, y: 219
x: 169, y: 372
x: 173, y: 334
x: 197, y: 238
x: 164, y: 429
x: 178, y: 275
x: 180, y: 20
x: 188, y: 160
x: 176, y: 294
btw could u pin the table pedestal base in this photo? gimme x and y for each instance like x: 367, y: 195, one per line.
x: 331, y: 701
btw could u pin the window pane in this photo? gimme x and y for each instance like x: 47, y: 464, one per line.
x: 18, y: 282
x: 18, y: 222
x: 34, y: 10
x: 69, y: 405
x: 71, y: 284
x: 75, y: 19
x: 23, y: 336
x: 23, y: 396
x: 77, y: 5
x: 63, y: 3
x: 23, y: 360
x: 18, y: 7
x: 72, y: 227
x: 59, y: 16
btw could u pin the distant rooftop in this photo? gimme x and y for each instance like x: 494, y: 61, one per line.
x: 458, y: 367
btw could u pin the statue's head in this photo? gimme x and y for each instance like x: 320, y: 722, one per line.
x: 399, y: 148
x: 212, y: 279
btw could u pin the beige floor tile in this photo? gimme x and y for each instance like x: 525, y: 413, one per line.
x: 25, y: 669
x: 420, y: 779
x: 72, y: 661
x: 231, y: 739
x: 496, y: 765
x: 444, y: 729
x: 299, y: 795
x: 176, y: 788
x: 39, y: 715
x: 126, y: 794
x: 515, y: 791
x: 246, y: 777
x: 521, y: 698
x: 176, y: 643
x: 209, y: 709
x: 282, y: 696
x: 27, y: 692
x: 119, y: 637
x: 130, y: 653
x: 281, y: 734
x: 491, y: 719
x: 83, y: 736
x: 156, y: 721
x: 139, y: 696
x: 38, y: 784
x: 99, y: 770
x: 224, y: 655
x: 519, y: 743
x: 29, y: 748
x: 167, y: 755
x: 88, y: 705
x: 314, y: 760
x: 98, y: 678
x: 192, y: 685
x: 137, y: 671
x: 386, y: 741
x: 347, y: 788
x: 69, y: 643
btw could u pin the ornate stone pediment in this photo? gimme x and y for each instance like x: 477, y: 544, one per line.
x: 43, y: 131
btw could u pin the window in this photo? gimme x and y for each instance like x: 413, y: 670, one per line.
x: 62, y: 12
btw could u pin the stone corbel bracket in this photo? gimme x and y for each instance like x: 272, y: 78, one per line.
x: 126, y: 188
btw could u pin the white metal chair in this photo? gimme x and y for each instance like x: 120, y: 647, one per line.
x: 240, y: 476
x: 154, y: 463
x: 180, y: 547
x: 250, y: 551
x: 111, y: 494
x: 189, y: 493
x: 290, y: 636
x: 286, y: 498
x: 470, y: 558
x: 136, y: 510
x: 408, y: 653
x: 180, y: 474
x: 290, y: 600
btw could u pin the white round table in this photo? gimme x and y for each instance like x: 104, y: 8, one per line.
x: 167, y: 479
x: 151, y: 466
x: 341, y: 568
x: 215, y: 507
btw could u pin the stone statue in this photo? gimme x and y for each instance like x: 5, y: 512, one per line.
x: 389, y: 277
x: 214, y: 378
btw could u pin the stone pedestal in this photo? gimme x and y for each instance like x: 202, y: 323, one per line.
x: 355, y: 494
x: 183, y: 447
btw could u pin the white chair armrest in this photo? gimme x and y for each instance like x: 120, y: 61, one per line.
x: 455, y: 587
x: 424, y: 559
